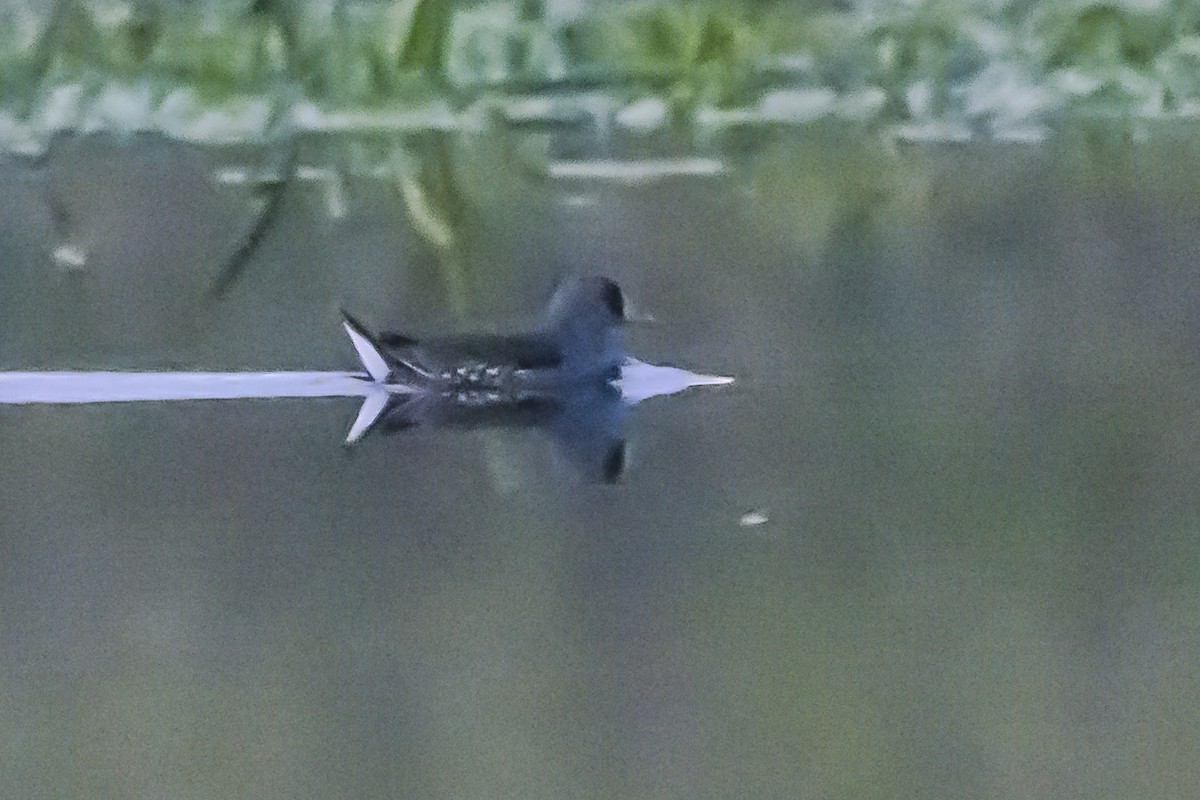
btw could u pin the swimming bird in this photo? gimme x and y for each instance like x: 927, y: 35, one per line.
x: 559, y: 376
x: 579, y: 340
x: 569, y: 376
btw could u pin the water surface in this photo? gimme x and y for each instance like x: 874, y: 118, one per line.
x: 940, y: 539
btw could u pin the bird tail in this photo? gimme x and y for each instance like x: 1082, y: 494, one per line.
x: 391, y: 378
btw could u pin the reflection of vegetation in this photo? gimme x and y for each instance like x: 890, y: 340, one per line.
x: 272, y: 194
x: 435, y: 210
x: 801, y: 194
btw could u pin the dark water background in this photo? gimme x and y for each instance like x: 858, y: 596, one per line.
x: 968, y: 405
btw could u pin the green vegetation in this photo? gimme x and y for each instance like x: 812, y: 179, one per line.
x: 933, y: 69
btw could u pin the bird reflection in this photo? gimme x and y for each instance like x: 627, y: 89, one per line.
x: 585, y: 424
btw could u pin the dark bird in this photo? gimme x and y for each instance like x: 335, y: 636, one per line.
x: 559, y: 377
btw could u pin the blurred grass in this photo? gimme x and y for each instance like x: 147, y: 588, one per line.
x: 1003, y: 68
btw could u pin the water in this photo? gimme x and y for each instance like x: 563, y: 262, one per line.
x: 940, y: 538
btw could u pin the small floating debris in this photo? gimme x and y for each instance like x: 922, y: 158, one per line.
x: 752, y: 519
x: 637, y: 171
x: 70, y: 256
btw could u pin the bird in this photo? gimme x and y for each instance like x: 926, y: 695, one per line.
x: 578, y: 341
x: 559, y: 373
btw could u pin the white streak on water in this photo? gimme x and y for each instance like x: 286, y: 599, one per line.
x: 639, y: 381
x: 125, y: 387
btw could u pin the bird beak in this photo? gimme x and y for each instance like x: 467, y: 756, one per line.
x: 635, y: 316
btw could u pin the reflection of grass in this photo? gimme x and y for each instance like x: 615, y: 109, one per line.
x: 435, y: 210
